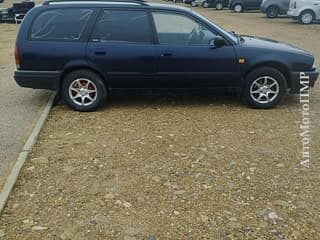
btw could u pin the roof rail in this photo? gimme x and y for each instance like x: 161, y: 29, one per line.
x: 141, y: 2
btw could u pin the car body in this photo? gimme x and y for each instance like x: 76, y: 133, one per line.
x: 196, y: 3
x: 217, y: 4
x: 188, y: 1
x: 273, y: 8
x: 306, y: 11
x: 242, y: 5
x: 86, y: 50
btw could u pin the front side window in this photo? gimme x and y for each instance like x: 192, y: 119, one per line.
x: 123, y: 26
x: 61, y: 24
x: 179, y: 29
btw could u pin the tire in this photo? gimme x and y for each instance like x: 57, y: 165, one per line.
x: 261, y: 93
x: 238, y: 8
x: 205, y: 4
x: 306, y: 17
x: 219, y: 6
x: 84, y: 90
x: 272, y: 12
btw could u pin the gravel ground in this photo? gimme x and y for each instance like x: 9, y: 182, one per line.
x: 175, y: 166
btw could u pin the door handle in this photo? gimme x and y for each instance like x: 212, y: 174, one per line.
x: 166, y: 54
x: 100, y: 53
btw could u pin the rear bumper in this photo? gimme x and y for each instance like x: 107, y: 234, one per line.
x: 299, y: 80
x: 293, y: 13
x: 37, y: 79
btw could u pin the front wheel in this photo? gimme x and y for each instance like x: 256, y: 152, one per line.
x: 237, y: 8
x: 219, y: 6
x: 272, y: 12
x: 306, y: 17
x: 264, y: 88
x: 205, y: 4
x: 83, y: 90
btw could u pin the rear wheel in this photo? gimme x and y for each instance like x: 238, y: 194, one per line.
x: 272, y: 12
x: 306, y: 17
x: 219, y: 6
x: 205, y: 4
x: 83, y: 90
x: 264, y: 88
x: 238, y: 8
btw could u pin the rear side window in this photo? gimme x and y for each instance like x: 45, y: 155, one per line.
x: 123, y: 26
x: 61, y: 24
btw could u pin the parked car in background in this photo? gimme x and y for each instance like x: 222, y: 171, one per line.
x: 217, y: 4
x: 242, y: 5
x: 196, y: 3
x: 16, y: 13
x: 306, y: 11
x: 274, y: 8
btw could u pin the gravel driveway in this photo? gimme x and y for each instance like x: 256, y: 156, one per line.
x: 170, y: 166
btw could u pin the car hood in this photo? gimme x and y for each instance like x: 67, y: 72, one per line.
x: 265, y: 43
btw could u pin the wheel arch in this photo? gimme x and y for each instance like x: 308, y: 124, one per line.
x: 307, y: 10
x: 237, y: 2
x: 281, y: 67
x: 273, y: 5
x: 75, y: 67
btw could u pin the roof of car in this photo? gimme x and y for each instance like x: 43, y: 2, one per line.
x: 131, y: 3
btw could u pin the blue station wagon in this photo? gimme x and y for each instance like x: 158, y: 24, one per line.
x: 85, y: 49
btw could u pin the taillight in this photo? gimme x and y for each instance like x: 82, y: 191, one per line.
x: 293, y: 4
x: 16, y: 56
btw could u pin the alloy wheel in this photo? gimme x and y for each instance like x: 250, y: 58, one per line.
x: 307, y: 18
x: 83, y: 92
x: 264, y: 89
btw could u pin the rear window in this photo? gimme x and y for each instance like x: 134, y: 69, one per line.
x: 61, y: 24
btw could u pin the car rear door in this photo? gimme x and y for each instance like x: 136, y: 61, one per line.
x: 185, y: 58
x: 122, y: 46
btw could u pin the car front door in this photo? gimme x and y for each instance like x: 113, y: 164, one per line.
x: 254, y: 4
x: 185, y: 57
x: 122, y: 47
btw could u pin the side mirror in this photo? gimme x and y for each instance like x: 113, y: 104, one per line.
x: 217, y: 42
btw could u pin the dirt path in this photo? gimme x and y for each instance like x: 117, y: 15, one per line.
x: 175, y: 166
x: 19, y: 108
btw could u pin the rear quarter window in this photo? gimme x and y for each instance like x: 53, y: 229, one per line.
x: 60, y: 24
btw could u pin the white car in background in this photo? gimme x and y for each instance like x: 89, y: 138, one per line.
x: 197, y: 3
x: 306, y: 11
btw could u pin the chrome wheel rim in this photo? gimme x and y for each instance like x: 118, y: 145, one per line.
x: 83, y: 92
x: 205, y: 5
x: 264, y: 89
x: 219, y: 6
x: 238, y: 8
x: 307, y: 18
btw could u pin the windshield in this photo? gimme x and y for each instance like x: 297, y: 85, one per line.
x: 220, y: 29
